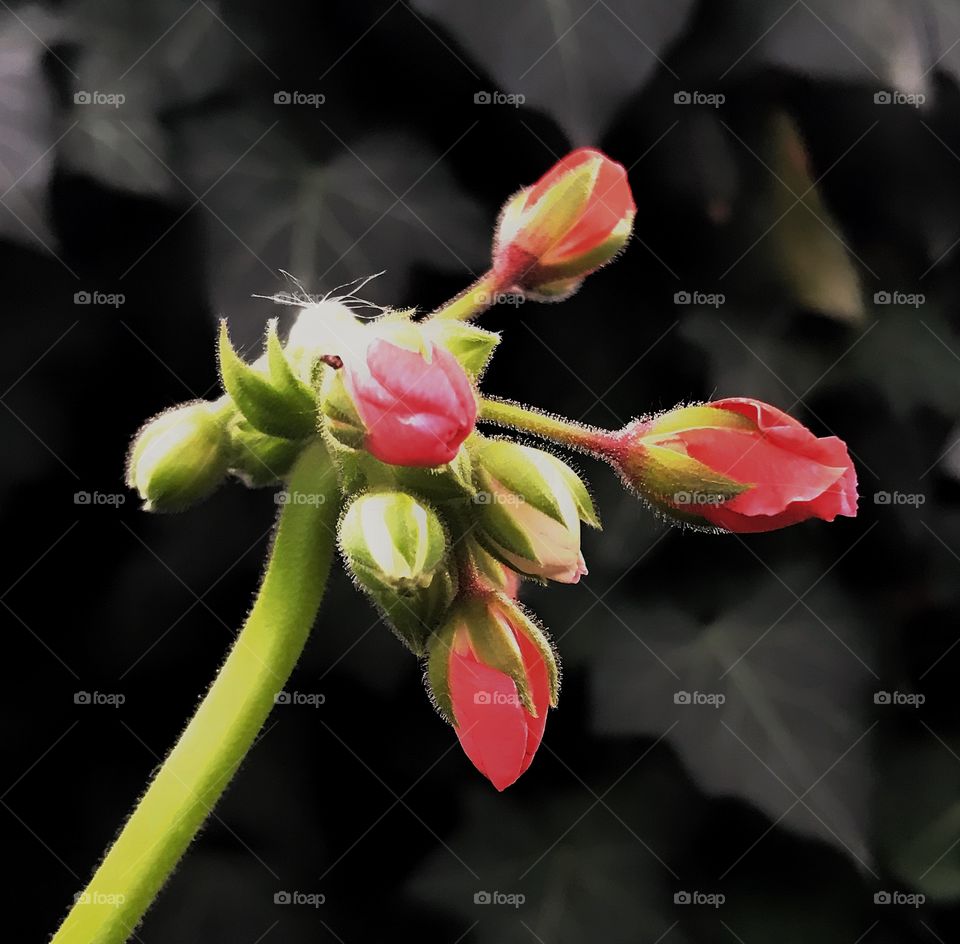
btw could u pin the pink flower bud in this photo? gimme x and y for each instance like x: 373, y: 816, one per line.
x: 417, y: 406
x: 736, y: 464
x: 494, y: 676
x: 576, y: 218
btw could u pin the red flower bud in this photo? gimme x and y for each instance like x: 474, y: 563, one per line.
x: 494, y: 676
x: 576, y: 218
x: 417, y: 406
x: 736, y: 464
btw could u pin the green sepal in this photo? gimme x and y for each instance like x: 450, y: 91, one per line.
x: 498, y: 528
x: 269, y: 409
x: 523, y: 622
x: 494, y: 643
x: 283, y: 376
x: 414, y: 614
x: 581, y: 496
x: 257, y: 458
x: 438, y: 667
x: 665, y: 474
x: 340, y: 417
x: 438, y: 483
x: 514, y: 467
x: 471, y: 346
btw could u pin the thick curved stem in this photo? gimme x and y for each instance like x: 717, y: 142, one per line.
x: 217, y: 739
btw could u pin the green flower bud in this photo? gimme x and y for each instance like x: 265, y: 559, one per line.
x: 179, y: 457
x: 396, y: 548
x: 529, y: 509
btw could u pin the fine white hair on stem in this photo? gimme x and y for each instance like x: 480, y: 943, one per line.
x: 345, y: 294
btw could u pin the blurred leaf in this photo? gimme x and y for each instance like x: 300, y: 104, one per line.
x: 792, y: 688
x: 579, y: 60
x: 807, y: 242
x: 158, y: 57
x: 919, y: 816
x: 912, y: 356
x: 750, y: 353
x: 883, y: 43
x: 26, y: 122
x: 590, y: 881
x: 388, y: 204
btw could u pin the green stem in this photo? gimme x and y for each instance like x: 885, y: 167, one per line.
x: 473, y: 300
x: 589, y: 439
x: 220, y: 734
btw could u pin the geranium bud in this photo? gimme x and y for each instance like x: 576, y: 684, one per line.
x: 529, y: 508
x: 493, y: 675
x: 396, y: 548
x: 737, y: 465
x: 414, y: 400
x: 576, y: 218
x: 179, y: 457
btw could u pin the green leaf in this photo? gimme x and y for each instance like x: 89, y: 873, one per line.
x: 270, y: 410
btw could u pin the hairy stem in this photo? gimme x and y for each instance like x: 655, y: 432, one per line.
x: 589, y: 439
x: 473, y: 300
x: 220, y: 734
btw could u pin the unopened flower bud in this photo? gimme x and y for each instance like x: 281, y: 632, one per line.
x: 529, y: 508
x: 575, y: 219
x: 179, y: 457
x: 403, y: 397
x: 396, y: 547
x: 735, y: 465
x: 493, y: 676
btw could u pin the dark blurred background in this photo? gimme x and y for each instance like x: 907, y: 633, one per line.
x: 797, y: 171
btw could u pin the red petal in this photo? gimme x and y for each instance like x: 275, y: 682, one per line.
x: 492, y: 728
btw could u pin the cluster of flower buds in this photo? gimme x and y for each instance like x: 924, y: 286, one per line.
x: 441, y: 522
